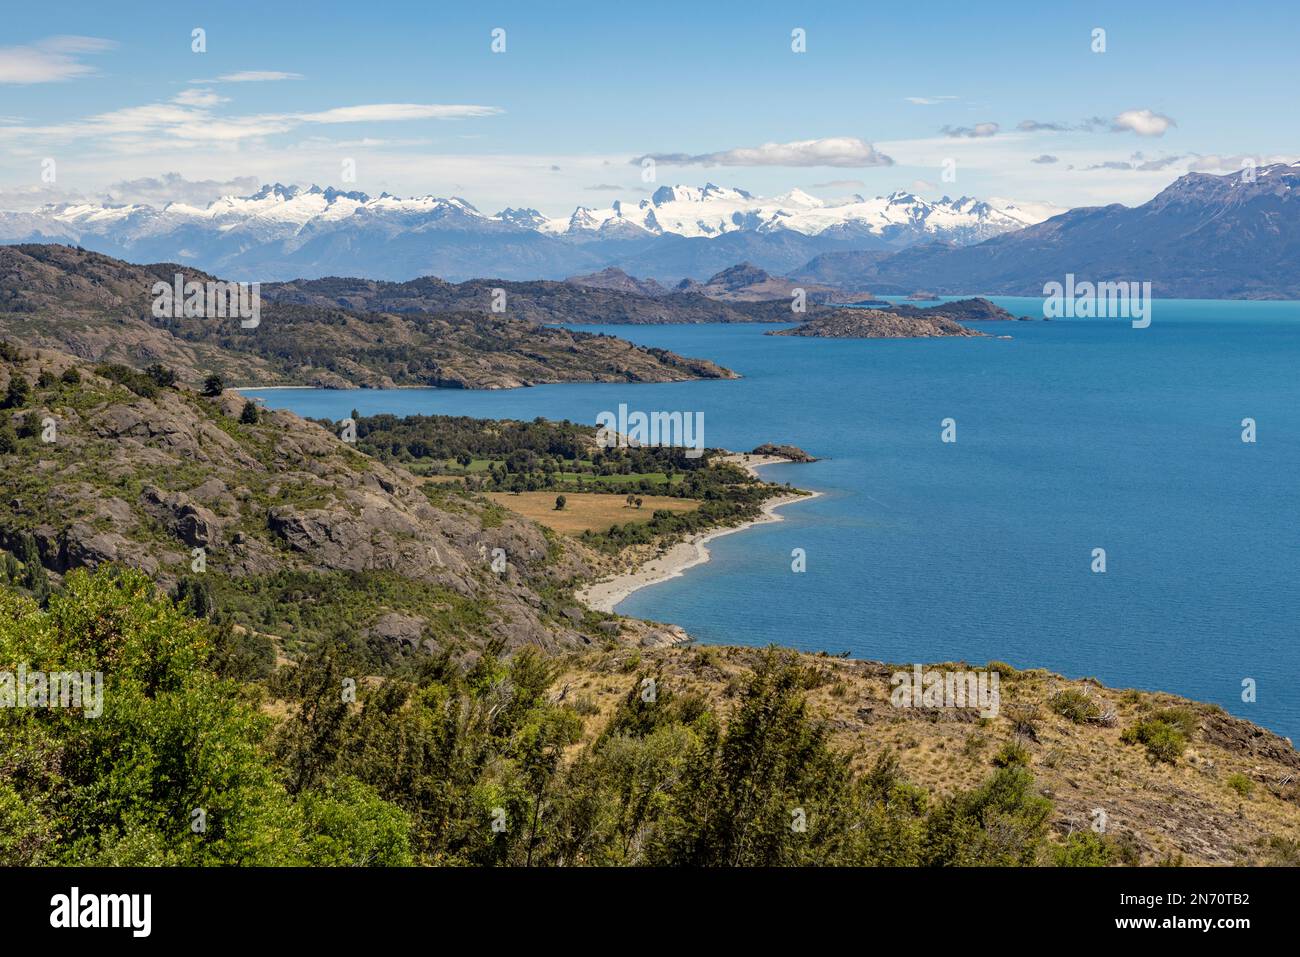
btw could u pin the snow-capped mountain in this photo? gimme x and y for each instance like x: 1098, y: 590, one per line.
x: 282, y: 232
x: 1205, y: 236
x: 709, y: 211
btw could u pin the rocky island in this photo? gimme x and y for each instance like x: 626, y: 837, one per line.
x: 876, y: 324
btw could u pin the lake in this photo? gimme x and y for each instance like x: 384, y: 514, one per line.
x: 1071, y: 436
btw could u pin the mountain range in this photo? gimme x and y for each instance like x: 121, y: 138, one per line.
x: 285, y: 232
x: 1234, y: 236
x: 1212, y: 236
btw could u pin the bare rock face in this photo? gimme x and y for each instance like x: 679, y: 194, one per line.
x: 195, y: 525
x: 80, y: 546
x: 400, y: 630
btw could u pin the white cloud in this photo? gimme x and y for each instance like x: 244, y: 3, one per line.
x: 49, y: 61
x: 189, y: 118
x: 927, y: 100
x: 1142, y: 122
x: 978, y: 131
x: 838, y: 151
x: 385, y: 112
x: 199, y: 97
x: 839, y: 184
x: 173, y: 187
x: 253, y: 76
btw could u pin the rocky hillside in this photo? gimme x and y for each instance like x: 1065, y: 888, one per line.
x: 540, y: 301
x: 301, y: 535
x: 99, y: 308
x: 611, y: 277
x: 739, y: 294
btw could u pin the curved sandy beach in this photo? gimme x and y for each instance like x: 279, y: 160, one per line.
x: 605, y: 595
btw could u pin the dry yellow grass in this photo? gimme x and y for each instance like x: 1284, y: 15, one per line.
x: 1183, y: 812
x: 586, y: 511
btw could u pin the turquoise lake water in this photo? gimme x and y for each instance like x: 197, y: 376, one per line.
x: 1071, y: 436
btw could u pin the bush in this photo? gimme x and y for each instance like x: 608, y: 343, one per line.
x: 560, y: 502
x: 213, y: 386
x: 1078, y: 706
x: 1184, y: 719
x: 163, y: 377
x: 1012, y: 754
x: 138, y: 382
x: 71, y: 376
x: 1082, y: 849
x: 1241, y: 784
x: 1163, y: 741
x: 249, y: 416
x: 8, y: 439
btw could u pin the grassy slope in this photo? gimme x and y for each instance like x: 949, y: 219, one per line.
x: 1186, y: 812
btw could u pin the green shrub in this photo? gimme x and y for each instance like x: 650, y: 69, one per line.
x: 1182, y: 718
x: 138, y: 382
x: 1012, y: 754
x: 1078, y: 706
x: 1164, y: 741
x: 1241, y: 784
x: 1082, y: 849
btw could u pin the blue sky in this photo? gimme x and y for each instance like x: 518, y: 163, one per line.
x: 414, y: 95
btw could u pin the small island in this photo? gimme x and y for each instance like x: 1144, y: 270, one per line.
x: 876, y: 324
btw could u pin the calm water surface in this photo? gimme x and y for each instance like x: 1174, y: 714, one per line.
x: 1071, y: 436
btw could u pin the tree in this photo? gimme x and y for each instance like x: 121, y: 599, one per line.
x: 249, y: 416
x: 71, y: 376
x: 8, y: 438
x: 184, y: 741
x: 560, y: 502
x: 164, y: 377
x: 19, y: 390
x: 213, y: 386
